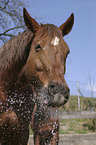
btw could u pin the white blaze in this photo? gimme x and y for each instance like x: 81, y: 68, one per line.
x: 55, y: 41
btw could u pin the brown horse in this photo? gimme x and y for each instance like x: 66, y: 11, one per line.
x: 32, y: 68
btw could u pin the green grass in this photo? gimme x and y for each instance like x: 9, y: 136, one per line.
x: 86, y: 103
x: 77, y: 126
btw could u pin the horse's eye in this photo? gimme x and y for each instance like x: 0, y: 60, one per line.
x: 38, y: 47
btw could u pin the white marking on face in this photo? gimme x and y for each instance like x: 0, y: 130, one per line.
x: 55, y: 41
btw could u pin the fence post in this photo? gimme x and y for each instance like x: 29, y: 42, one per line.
x: 78, y: 95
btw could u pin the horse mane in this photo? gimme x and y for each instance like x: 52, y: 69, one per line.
x: 15, y: 49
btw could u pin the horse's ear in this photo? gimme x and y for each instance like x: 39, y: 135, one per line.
x: 30, y: 22
x: 67, y: 26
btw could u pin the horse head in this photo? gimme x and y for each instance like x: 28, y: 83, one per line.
x: 45, y: 67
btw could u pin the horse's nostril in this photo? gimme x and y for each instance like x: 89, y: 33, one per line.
x: 52, y: 88
x: 52, y: 84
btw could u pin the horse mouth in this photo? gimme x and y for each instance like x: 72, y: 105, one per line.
x: 59, y: 100
x: 59, y: 94
x: 52, y: 100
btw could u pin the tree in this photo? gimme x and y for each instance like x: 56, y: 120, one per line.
x: 10, y: 19
x: 91, y: 86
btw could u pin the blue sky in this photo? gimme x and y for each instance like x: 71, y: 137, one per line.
x: 81, y: 62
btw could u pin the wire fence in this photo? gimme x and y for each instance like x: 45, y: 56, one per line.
x: 86, y: 95
x: 85, y: 89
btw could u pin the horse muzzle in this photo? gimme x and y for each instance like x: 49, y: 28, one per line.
x: 59, y: 94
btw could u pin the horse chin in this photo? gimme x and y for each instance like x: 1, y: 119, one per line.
x: 60, y: 100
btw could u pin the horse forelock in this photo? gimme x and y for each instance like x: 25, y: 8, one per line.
x: 15, y: 49
x: 48, y: 30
